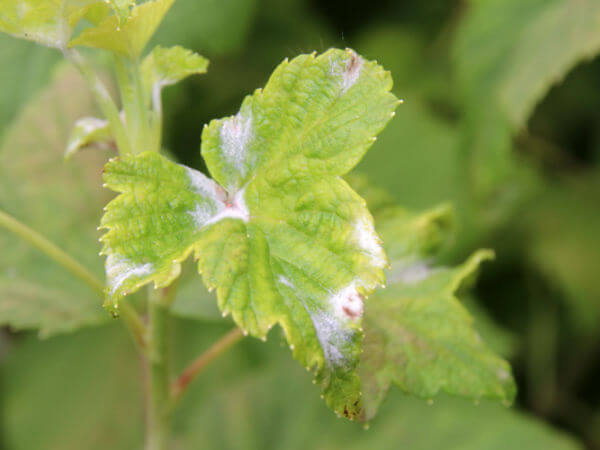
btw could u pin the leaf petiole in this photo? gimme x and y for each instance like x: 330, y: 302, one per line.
x: 104, y: 100
x: 36, y: 240
x: 180, y: 385
x: 51, y: 250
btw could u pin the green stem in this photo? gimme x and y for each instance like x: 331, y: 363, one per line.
x: 142, y: 112
x: 199, y: 364
x: 156, y: 117
x: 51, y: 250
x: 157, y: 430
x: 127, y: 95
x: 36, y: 240
x: 109, y: 109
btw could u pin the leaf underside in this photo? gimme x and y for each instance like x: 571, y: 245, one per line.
x: 282, y: 238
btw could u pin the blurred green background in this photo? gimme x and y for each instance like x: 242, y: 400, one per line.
x: 501, y: 117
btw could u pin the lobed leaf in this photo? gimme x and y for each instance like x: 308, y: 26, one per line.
x: 508, y: 55
x: 283, y: 239
x: 167, y: 66
x: 512, y: 50
x: 61, y: 201
x: 47, y: 22
x: 126, y: 36
x: 412, y: 237
x: 419, y: 337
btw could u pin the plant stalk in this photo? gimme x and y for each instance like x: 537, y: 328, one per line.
x: 157, y: 429
x: 199, y: 364
x: 59, y: 256
x: 106, y: 103
x: 51, y: 250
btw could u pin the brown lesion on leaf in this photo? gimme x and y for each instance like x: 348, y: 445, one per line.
x: 352, y: 70
x: 352, y: 412
x: 354, y: 64
x: 352, y: 306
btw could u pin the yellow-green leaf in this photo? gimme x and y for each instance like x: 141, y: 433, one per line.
x: 125, y: 36
x: 282, y: 238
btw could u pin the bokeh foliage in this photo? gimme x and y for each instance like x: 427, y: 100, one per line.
x: 500, y: 119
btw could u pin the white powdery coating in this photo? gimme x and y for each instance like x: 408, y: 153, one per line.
x: 412, y: 274
x: 331, y: 331
x: 90, y: 124
x: 202, y: 214
x: 503, y: 375
x: 236, y: 133
x: 118, y: 270
x: 369, y: 241
x: 87, y: 125
x: 351, y: 72
x: 332, y: 336
x: 236, y: 209
x: 332, y: 326
x: 204, y: 185
x: 283, y: 280
x: 205, y: 215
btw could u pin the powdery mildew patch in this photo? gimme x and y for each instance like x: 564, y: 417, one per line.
x: 204, y: 185
x: 331, y: 330
x: 412, y: 274
x: 217, y: 206
x: 234, y: 209
x: 236, y: 133
x: 332, y: 336
x: 350, y: 73
x: 119, y: 270
x: 368, y: 241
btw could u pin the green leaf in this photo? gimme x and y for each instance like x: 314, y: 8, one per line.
x: 167, y: 66
x: 517, y: 50
x: 27, y: 304
x: 508, y: 54
x: 30, y: 69
x: 412, y: 237
x: 47, y: 22
x: 122, y: 9
x: 87, y: 131
x: 419, y: 336
x: 284, y: 240
x: 417, y: 240
x: 129, y: 36
x: 61, y: 201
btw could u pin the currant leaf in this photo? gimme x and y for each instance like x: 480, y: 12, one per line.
x: 47, y: 22
x: 282, y: 238
x: 167, y: 66
x: 419, y: 337
x: 128, y: 35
